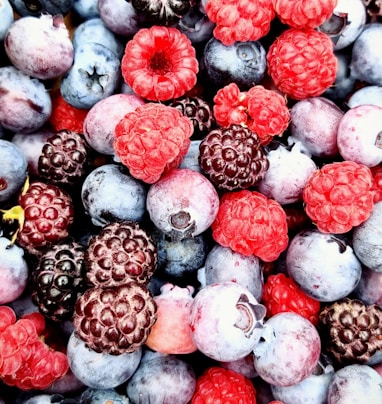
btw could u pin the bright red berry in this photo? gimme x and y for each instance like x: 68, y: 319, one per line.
x: 151, y: 140
x: 220, y: 385
x: 159, y: 63
x: 302, y: 63
x: 282, y: 294
x: 250, y: 223
x: 243, y: 20
x: 304, y: 13
x: 377, y: 182
x: 339, y: 196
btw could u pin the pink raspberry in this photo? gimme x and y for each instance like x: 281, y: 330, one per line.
x: 263, y: 111
x: 240, y: 20
x: 151, y: 140
x: 159, y: 63
x: 251, y: 224
x: 339, y: 196
x: 304, y: 13
x: 302, y: 63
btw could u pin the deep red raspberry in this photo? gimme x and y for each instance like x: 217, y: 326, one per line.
x: 304, y: 13
x: 65, y: 116
x: 159, y: 63
x: 220, y: 385
x: 151, y: 140
x: 339, y: 196
x: 282, y: 294
x: 250, y: 223
x: 302, y: 63
x: 243, y: 20
x: 377, y: 182
x: 263, y: 111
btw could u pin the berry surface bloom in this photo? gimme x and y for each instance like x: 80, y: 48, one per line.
x: 159, y: 63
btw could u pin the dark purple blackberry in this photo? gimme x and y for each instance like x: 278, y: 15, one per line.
x: 233, y: 158
x: 162, y: 12
x: 58, y: 280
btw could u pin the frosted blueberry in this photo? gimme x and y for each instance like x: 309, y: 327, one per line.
x: 13, y: 169
x: 38, y: 7
x: 94, y: 75
x: 6, y: 17
x: 86, y: 9
x: 366, y: 95
x: 102, y: 396
x: 369, y: 289
x: 191, y: 159
x: 323, y: 265
x: 109, y: 194
x: 25, y: 105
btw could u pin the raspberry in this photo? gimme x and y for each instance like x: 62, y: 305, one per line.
x: 263, y: 111
x: 160, y: 63
x: 220, y: 385
x: 243, y: 20
x: 27, y: 362
x: 377, y: 182
x: 282, y: 294
x: 339, y: 196
x: 250, y: 223
x: 65, y: 116
x: 302, y: 63
x: 233, y: 158
x: 304, y: 13
x: 151, y: 140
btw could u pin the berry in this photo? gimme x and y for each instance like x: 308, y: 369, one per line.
x: 351, y: 330
x: 302, y: 14
x: 302, y: 63
x: 65, y: 116
x: 43, y: 6
x: 6, y: 17
x: 339, y: 196
x: 149, y: 146
x: 282, y: 294
x: 64, y: 158
x: 159, y: 63
x: 58, y: 280
x: 115, y: 320
x: 162, y: 12
x: 217, y: 384
x: 246, y: 20
x: 263, y: 111
x: 250, y: 223
x: 232, y: 158
x: 119, y: 253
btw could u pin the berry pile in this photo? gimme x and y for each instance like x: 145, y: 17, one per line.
x: 191, y: 197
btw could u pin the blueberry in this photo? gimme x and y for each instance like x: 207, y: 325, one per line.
x: 94, y: 75
x: 108, y: 194
x: 38, y: 7
x: 25, y: 105
x: 86, y: 9
x: 6, y: 17
x: 13, y: 169
x: 243, y: 63
x: 102, y: 396
x: 366, y: 95
x: 94, y: 30
x: 162, y: 379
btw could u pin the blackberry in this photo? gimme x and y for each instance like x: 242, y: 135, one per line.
x: 199, y: 112
x: 64, y: 158
x: 233, y: 158
x: 58, y: 280
x: 351, y: 330
x: 162, y: 12
x: 115, y: 320
x: 119, y: 253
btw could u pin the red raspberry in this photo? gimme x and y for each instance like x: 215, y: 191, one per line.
x: 339, y: 196
x: 377, y: 182
x: 282, y: 294
x: 65, y: 116
x: 243, y: 20
x: 263, y: 111
x: 159, y: 63
x: 151, y: 140
x: 302, y: 63
x: 220, y: 385
x: 250, y: 223
x: 304, y: 13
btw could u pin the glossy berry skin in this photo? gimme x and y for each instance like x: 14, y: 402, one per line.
x: 217, y: 384
x: 282, y: 294
x: 288, y: 351
x: 327, y: 282
x: 226, y: 321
